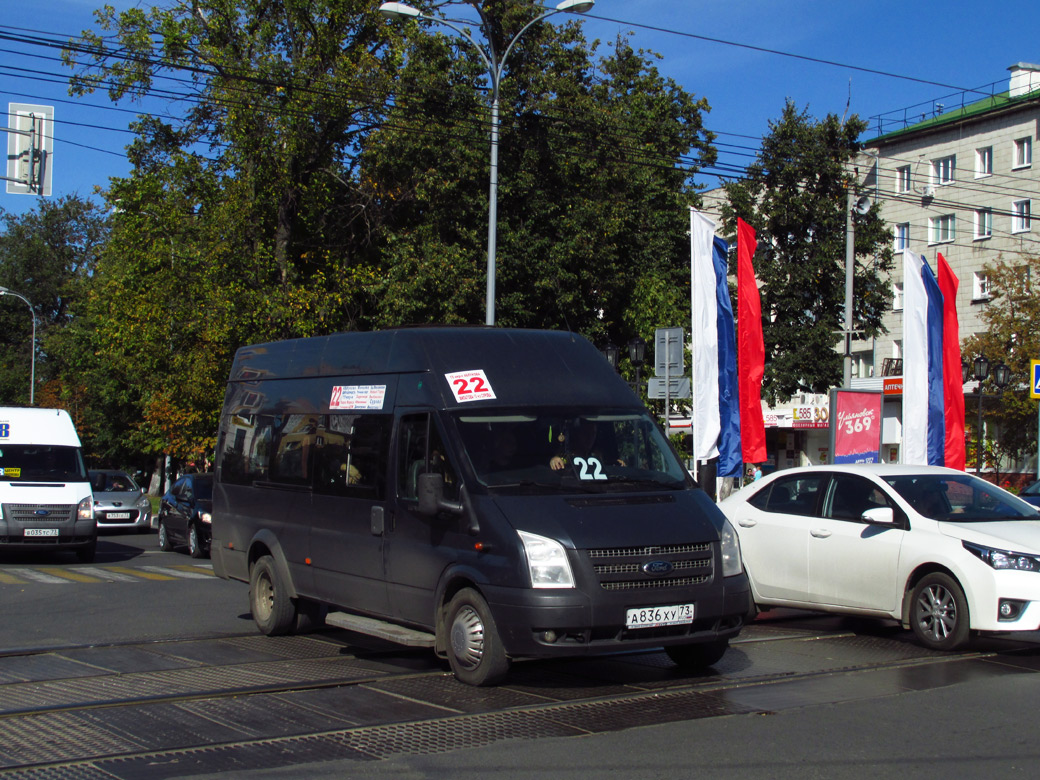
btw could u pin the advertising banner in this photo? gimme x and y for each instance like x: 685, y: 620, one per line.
x: 856, y: 426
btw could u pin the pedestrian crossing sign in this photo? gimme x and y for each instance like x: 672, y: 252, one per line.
x: 1034, y: 378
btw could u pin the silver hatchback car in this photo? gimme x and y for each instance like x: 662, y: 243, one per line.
x: 119, y: 503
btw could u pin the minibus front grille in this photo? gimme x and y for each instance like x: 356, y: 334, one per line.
x: 653, y: 567
x: 39, y: 514
x: 677, y: 582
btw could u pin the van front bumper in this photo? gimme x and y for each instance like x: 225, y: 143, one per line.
x: 564, y: 622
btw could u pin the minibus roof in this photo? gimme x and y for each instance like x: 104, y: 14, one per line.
x: 26, y: 425
x: 503, y: 366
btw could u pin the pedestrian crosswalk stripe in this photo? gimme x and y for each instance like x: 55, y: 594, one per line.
x: 198, y: 568
x: 180, y: 571
x: 105, y: 575
x: 69, y: 574
x: 148, y: 575
x: 38, y: 576
x: 7, y: 579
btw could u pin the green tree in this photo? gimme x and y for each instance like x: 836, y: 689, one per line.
x: 1012, y: 336
x: 595, y: 175
x: 795, y: 196
x: 48, y: 255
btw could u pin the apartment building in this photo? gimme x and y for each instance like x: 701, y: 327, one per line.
x: 960, y: 181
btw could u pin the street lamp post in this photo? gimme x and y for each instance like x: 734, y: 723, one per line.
x: 32, y: 357
x: 1001, y: 378
x: 496, y: 67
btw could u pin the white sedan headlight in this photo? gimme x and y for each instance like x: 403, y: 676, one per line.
x: 546, y: 561
x: 731, y: 563
x: 1004, y: 559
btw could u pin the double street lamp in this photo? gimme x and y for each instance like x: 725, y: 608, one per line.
x: 979, y: 372
x: 32, y: 358
x: 496, y: 67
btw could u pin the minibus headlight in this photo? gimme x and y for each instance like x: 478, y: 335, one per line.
x: 85, y: 510
x: 730, y: 551
x: 546, y: 561
x: 206, y: 517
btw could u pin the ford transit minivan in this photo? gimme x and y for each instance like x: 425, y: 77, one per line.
x: 493, y: 494
x: 44, y: 488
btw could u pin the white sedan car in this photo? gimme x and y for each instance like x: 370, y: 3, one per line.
x: 941, y: 551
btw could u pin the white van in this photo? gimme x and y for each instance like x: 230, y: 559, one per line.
x: 44, y: 488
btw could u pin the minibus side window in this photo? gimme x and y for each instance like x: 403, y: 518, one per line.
x: 351, y: 454
x: 421, y: 450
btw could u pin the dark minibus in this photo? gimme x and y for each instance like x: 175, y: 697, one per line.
x: 493, y: 494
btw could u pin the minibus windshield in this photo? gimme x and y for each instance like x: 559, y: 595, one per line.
x: 41, y: 463
x: 565, y: 449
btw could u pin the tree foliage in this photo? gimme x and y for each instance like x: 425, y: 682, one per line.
x: 294, y: 194
x: 1012, y: 336
x: 795, y: 196
x: 48, y: 255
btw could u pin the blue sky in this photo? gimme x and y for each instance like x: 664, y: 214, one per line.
x: 745, y: 56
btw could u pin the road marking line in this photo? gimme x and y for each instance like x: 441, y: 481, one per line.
x: 109, y: 576
x: 69, y: 574
x: 139, y: 573
x: 198, y: 569
x: 180, y: 571
x: 7, y: 579
x: 39, y: 576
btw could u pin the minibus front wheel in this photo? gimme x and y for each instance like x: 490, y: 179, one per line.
x: 269, y: 601
x: 475, y: 650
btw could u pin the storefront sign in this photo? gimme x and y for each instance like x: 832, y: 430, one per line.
x: 856, y: 434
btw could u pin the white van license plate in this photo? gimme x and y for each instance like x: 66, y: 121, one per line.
x: 655, y: 617
x: 41, y: 531
x: 117, y: 515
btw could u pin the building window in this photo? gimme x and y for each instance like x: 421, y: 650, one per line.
x: 902, y: 236
x: 979, y: 287
x: 983, y: 162
x: 943, y: 169
x: 897, y: 296
x: 983, y: 223
x: 942, y: 230
x: 1023, y: 152
x: 903, y: 178
x: 1020, y: 213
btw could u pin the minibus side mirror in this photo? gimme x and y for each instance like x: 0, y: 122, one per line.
x: 431, y: 496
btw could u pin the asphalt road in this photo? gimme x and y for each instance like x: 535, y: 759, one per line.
x: 142, y: 665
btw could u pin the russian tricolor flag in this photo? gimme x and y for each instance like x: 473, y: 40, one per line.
x: 933, y: 395
x: 716, y: 404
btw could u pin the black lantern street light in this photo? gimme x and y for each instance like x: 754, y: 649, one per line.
x: 1001, y: 378
x: 612, y: 353
x: 637, y: 355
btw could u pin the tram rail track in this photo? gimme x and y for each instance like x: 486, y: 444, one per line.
x: 176, y: 708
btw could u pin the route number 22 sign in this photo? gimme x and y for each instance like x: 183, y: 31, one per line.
x: 470, y: 386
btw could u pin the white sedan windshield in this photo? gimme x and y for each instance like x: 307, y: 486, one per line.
x: 959, y: 498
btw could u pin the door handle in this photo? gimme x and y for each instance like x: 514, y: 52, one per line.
x: 820, y: 533
x: 378, y: 521
x: 747, y: 523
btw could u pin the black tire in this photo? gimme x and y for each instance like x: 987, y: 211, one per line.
x: 939, y: 613
x: 164, y: 538
x: 87, y: 554
x: 475, y: 649
x: 697, y: 657
x: 195, y: 548
x: 273, y: 610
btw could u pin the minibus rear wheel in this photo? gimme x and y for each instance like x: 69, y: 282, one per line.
x: 273, y: 610
x: 475, y: 650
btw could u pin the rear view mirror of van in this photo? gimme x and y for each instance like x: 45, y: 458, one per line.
x: 431, y: 496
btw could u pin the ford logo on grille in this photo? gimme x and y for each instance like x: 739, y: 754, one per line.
x: 41, y: 513
x: 658, y: 568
